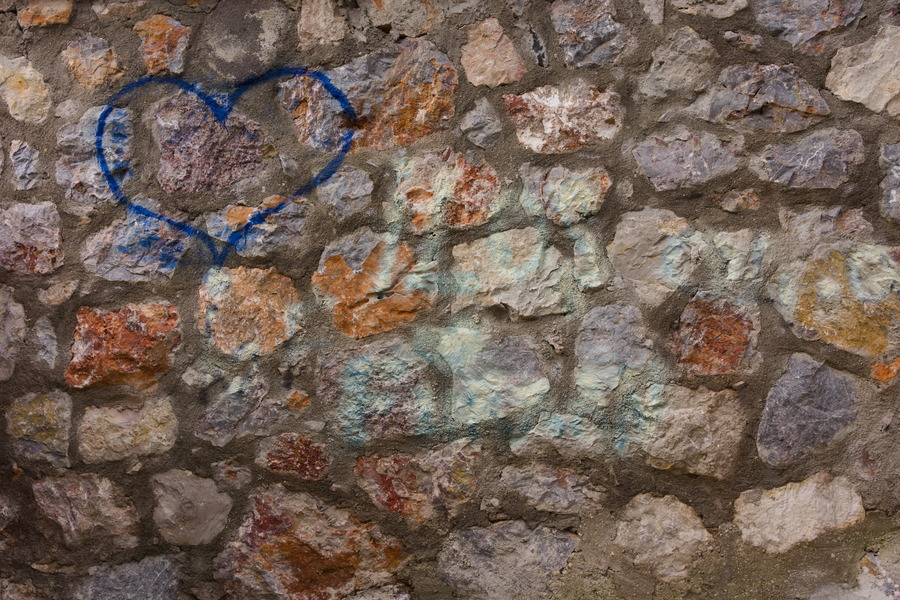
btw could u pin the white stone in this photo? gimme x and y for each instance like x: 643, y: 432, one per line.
x: 869, y: 73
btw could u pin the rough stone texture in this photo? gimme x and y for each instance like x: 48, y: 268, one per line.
x: 409, y: 19
x: 663, y: 535
x: 482, y: 124
x: 43, y: 337
x: 348, y: 192
x: 552, y: 120
x: 321, y: 22
x: 88, y: 510
x: 588, y: 32
x: 163, y: 43
x: 247, y: 312
x: 716, y: 337
x: 24, y: 161
x: 682, y: 63
x: 12, y: 331
x: 565, y: 196
x: 189, y: 511
x: 743, y: 252
x: 780, y: 518
x: 292, y: 455
x: 489, y: 57
x: 422, y: 489
x: 107, y: 433
x: 505, y: 561
x: 279, y: 231
x: 799, y: 21
x: 867, y: 73
x: 30, y: 240
x: 92, y: 61
x: 38, y: 425
x: 890, y: 162
x: 822, y: 159
x: 655, y: 252
x: 808, y: 406
x: 293, y: 545
x: 154, y: 578
x: 570, y: 435
x: 239, y: 40
x: 719, y: 9
x: 685, y: 159
x: 24, y: 90
x: 552, y: 489
x: 40, y: 13
x: 133, y: 345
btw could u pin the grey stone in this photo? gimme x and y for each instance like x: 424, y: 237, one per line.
x: 718, y: 9
x: 770, y: 98
x: 571, y: 436
x: 799, y: 21
x: 565, y: 196
x: 590, y: 267
x: 821, y: 159
x: 23, y: 159
x: 744, y: 40
x: 684, y: 159
x: 230, y: 474
x: 241, y: 39
x: 43, y: 338
x: 806, y: 408
x: 30, y: 238
x: 869, y: 73
x: 890, y: 162
x: 189, y: 511
x: 154, y: 578
x: 506, y: 561
x: 348, y: 192
x: 683, y: 62
x: 38, y: 425
x: 655, y: 10
x: 12, y: 331
x: 552, y: 489
x: 588, y: 32
x: 279, y: 231
x: 482, y: 124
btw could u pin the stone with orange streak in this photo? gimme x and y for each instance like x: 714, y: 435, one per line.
x: 163, y: 43
x: 716, y: 337
x: 294, y: 545
x: 885, y: 372
x: 248, y: 312
x: 281, y: 229
x: 446, y: 188
x: 293, y: 455
x: 40, y: 13
x: 133, y: 345
x: 373, y: 283
x: 92, y: 61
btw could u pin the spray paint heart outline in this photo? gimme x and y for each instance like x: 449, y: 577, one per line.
x: 221, y: 106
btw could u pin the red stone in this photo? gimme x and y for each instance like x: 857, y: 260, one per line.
x: 294, y: 455
x: 713, y: 338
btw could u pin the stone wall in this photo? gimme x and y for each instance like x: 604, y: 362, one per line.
x: 431, y: 299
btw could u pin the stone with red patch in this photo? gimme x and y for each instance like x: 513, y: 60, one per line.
x: 293, y: 455
x: 715, y: 337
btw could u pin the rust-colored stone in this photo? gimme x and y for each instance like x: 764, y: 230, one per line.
x: 886, y: 372
x: 163, y: 42
x: 40, y: 13
x: 713, y: 338
x: 133, y: 345
x: 294, y: 455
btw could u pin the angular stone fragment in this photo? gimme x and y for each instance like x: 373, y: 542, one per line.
x: 492, y: 378
x: 718, y: 9
x: 133, y: 345
x: 92, y: 61
x: 869, y: 73
x: 489, y: 57
x: 684, y: 159
x: 716, y: 337
x: 111, y: 10
x: 612, y: 346
x: 663, y: 535
x: 163, y: 43
x: 572, y: 436
x: 12, y: 331
x: 815, y: 225
x: 822, y: 159
x: 293, y: 545
x: 89, y: 510
x: 30, y: 240
x: 655, y: 10
x: 321, y: 23
x: 240, y: 40
x: 743, y: 253
x: 293, y: 455
x: 57, y: 293
x: 799, y: 21
x: 230, y: 474
x: 38, y: 425
x: 552, y: 120
x: 482, y: 124
x: 588, y: 32
x: 24, y: 90
x: 506, y: 561
x: 379, y: 391
x: 514, y: 269
x: 552, y: 489
x: 43, y: 338
x: 154, y: 578
x: 808, y: 406
x: 407, y: 18
x: 683, y: 62
x: 108, y: 433
x: 373, y: 283
x: 890, y: 162
x: 280, y: 230
x: 693, y: 431
x: 739, y: 200
x: 400, y: 94
x: 655, y: 252
x: 40, y: 13
x: 565, y: 196
x: 24, y: 159
x: 446, y: 188
x: 189, y: 511
x: 771, y: 98
x: 77, y: 169
x: 247, y: 312
x: 198, y: 153
x: 844, y: 294
x: 781, y: 518
x: 422, y: 488
x: 349, y: 191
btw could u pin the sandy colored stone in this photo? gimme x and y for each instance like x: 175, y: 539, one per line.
x: 109, y: 433
x: 24, y: 90
x: 92, y: 61
x: 30, y: 239
x: 189, y: 511
x: 718, y: 9
x: 781, y: 518
x: 40, y: 13
x: 685, y: 159
x: 57, y: 293
x: 552, y: 120
x: 869, y: 73
x: 292, y: 455
x: 683, y: 62
x: 163, y: 43
x: 588, y: 32
x: 247, y: 312
x: 239, y: 40
x: 663, y: 535
x: 373, y: 283
x: 716, y: 337
x: 552, y: 489
x: 133, y: 345
x: 489, y: 57
x: 515, y: 269
x: 565, y: 196
x: 321, y: 23
x: 38, y: 425
x: 12, y: 331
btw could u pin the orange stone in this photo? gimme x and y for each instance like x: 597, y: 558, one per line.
x: 713, y: 338
x: 885, y: 373
x: 163, y: 42
x: 133, y: 345
x: 40, y: 13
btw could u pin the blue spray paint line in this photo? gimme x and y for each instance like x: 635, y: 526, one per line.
x: 221, y: 107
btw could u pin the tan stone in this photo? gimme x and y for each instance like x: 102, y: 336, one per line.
x: 108, y: 434
x: 489, y: 58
